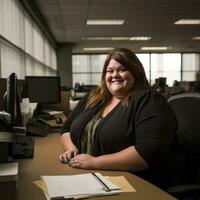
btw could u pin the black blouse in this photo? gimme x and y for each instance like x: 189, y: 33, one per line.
x: 148, y: 123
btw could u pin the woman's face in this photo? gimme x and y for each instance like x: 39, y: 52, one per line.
x: 119, y: 80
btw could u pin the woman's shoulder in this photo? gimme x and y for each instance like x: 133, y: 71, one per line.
x: 148, y: 92
x: 150, y: 101
x: 149, y: 96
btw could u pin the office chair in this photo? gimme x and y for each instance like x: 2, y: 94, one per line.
x: 185, y: 157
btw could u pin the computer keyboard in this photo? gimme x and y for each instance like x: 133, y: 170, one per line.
x: 23, y: 147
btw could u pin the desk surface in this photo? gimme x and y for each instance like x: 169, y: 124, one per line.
x: 45, y: 162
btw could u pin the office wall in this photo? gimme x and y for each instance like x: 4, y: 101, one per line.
x: 64, y: 53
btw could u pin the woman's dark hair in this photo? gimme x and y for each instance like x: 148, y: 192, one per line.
x: 128, y: 60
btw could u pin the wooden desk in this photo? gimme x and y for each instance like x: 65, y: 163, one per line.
x: 46, y: 162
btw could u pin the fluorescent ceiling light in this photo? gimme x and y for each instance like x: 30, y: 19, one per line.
x: 96, y: 38
x: 120, y: 38
x: 187, y: 21
x: 139, y: 38
x: 136, y: 38
x: 196, y: 38
x: 155, y: 48
x: 105, y: 21
x: 98, y: 48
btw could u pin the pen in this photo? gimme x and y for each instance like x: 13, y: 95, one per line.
x: 106, y: 188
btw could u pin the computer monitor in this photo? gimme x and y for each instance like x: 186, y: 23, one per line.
x: 43, y: 90
x: 12, y: 100
x: 3, y: 88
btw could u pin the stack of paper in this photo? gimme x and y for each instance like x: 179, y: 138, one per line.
x: 78, y: 186
x: 8, y: 172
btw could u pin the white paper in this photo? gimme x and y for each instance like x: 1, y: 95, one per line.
x: 8, y: 171
x: 54, y: 112
x: 76, y: 185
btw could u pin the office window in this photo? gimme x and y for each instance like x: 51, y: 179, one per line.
x: 47, y: 52
x: 2, y: 17
x: 191, y: 66
x: 87, y: 68
x: 81, y: 63
x: 97, y: 62
x: 28, y: 25
x: 166, y: 65
x: 28, y: 49
x: 29, y: 66
x: 50, y: 72
x: 96, y: 78
x: 81, y: 69
x: 81, y: 78
x: 50, y: 55
x: 12, y: 27
x: 189, y: 76
x: 38, y: 44
x: 53, y: 58
x: 39, y: 69
x: 145, y: 60
x: 8, y: 65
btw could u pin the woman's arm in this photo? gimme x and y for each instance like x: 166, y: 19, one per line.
x: 70, y: 149
x: 127, y: 159
x: 66, y: 141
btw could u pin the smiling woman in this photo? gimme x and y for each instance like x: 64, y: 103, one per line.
x: 122, y: 124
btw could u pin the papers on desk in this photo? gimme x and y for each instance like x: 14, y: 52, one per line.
x: 53, y: 112
x: 78, y: 186
x: 8, y: 172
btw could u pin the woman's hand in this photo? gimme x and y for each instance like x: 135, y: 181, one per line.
x: 68, y: 155
x: 84, y: 161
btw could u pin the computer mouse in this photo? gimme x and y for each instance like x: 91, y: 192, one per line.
x: 64, y: 161
x: 59, y: 120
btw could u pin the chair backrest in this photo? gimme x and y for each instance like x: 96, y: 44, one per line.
x: 187, y: 110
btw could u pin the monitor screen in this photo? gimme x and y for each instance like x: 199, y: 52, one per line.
x: 43, y: 89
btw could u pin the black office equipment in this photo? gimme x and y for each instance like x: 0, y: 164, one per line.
x: 3, y: 83
x: 12, y: 100
x: 23, y: 147
x: 5, y: 122
x: 161, y: 85
x: 59, y: 120
x: 6, y: 138
x: 38, y: 127
x: 3, y: 89
x: 42, y: 90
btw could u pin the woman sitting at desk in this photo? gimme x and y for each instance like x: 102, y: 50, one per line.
x: 121, y: 125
